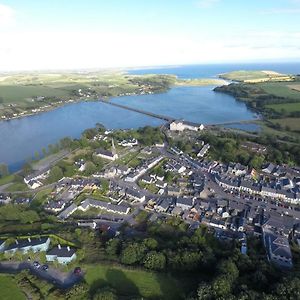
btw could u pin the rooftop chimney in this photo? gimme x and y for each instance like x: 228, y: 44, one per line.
x: 59, y: 246
x: 17, y: 242
x: 68, y: 248
x: 29, y: 240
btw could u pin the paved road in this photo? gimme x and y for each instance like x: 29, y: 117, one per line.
x: 54, y: 276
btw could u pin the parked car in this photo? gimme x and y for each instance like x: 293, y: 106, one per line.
x: 45, y: 268
x: 77, y: 271
x: 36, y: 264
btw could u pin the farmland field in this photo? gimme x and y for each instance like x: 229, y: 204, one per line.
x: 292, y: 123
x: 287, y: 107
x: 281, y: 89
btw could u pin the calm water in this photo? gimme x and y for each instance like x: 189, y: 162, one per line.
x: 20, y: 138
x: 206, y: 71
x: 196, y: 104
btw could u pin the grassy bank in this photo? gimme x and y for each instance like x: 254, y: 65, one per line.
x: 130, y: 283
x: 9, y: 289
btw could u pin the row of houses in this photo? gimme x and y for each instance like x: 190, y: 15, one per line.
x: 274, y: 190
x: 142, y: 169
x: 35, y: 179
x: 61, y: 254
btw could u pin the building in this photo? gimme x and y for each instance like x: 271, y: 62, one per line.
x: 184, y: 203
x: 2, y: 245
x: 135, y: 194
x: 203, y: 150
x: 67, y: 212
x: 106, y: 154
x: 33, y: 181
x: 181, y: 125
x: 278, y: 249
x: 88, y: 203
x: 110, y: 155
x: 29, y: 244
x: 61, y: 254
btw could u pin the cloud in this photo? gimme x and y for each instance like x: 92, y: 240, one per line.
x: 206, y: 3
x: 278, y: 11
x: 7, y: 15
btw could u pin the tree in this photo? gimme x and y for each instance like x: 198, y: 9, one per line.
x: 155, y: 261
x: 151, y: 243
x: 113, y: 248
x: 204, y: 292
x: 37, y: 155
x: 133, y: 253
x: 90, y: 168
x: 221, y: 287
x: 4, y: 170
x: 105, y: 294
x: 44, y: 151
x: 55, y: 174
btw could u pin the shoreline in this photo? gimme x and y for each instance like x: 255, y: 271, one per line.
x: 179, y: 83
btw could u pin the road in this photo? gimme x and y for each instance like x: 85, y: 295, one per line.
x: 52, y: 275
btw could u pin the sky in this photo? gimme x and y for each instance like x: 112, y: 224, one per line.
x: 65, y: 34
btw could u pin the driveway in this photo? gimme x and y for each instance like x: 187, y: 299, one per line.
x: 52, y: 275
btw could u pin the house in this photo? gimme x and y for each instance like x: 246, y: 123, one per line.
x: 164, y: 204
x: 184, y: 203
x: 33, y: 181
x: 269, y: 168
x: 2, y: 245
x: 203, y: 150
x: 61, y: 254
x: 147, y: 179
x: 88, y: 203
x: 5, y: 199
x: 161, y: 184
x: 122, y: 170
x: 278, y: 249
x: 181, y: 125
x: 174, y: 191
x: 135, y: 194
x: 128, y: 143
x: 106, y: 154
x: 68, y: 211
x: 29, y: 244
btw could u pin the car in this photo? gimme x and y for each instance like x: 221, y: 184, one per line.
x: 45, y: 267
x: 36, y: 264
x: 77, y: 271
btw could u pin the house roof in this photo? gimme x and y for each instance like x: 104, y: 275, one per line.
x: 24, y: 243
x: 62, y: 252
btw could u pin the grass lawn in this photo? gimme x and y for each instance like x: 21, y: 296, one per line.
x: 287, y: 107
x: 6, y: 179
x: 17, y: 187
x: 134, y: 282
x: 9, y: 290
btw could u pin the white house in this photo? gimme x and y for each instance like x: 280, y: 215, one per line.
x: 30, y: 244
x: 181, y: 125
x: 63, y: 254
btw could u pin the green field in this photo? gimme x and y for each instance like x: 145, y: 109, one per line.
x: 281, y: 89
x: 253, y: 76
x: 132, y: 283
x: 292, y: 123
x: 9, y: 290
x: 286, y: 107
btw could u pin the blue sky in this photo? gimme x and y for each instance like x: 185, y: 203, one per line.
x: 116, y: 33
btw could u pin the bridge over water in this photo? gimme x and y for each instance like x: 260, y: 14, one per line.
x: 141, y: 111
x: 164, y: 117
